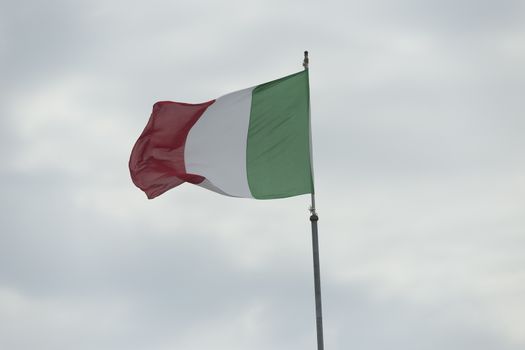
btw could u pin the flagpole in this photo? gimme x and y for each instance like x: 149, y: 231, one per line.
x: 315, y: 248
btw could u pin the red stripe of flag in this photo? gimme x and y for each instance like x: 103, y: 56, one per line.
x: 156, y: 163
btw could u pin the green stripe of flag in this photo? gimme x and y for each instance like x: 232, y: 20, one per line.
x: 278, y: 147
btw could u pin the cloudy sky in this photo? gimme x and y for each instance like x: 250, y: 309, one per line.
x: 419, y: 139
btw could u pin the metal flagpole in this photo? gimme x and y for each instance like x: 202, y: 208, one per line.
x: 315, y: 248
x: 317, y: 276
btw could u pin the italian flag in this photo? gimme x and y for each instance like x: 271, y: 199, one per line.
x: 252, y: 143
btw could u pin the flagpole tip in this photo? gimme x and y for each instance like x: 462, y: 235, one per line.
x: 305, y: 61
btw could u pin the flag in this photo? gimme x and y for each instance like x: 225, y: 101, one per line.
x: 252, y: 143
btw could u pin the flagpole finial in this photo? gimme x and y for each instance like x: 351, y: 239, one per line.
x: 305, y: 61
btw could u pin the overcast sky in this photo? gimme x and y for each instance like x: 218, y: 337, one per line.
x: 419, y: 139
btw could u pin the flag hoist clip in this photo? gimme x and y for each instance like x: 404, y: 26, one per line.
x: 313, y: 212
